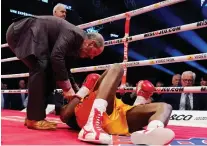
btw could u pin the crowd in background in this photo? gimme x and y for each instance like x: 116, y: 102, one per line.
x: 179, y: 101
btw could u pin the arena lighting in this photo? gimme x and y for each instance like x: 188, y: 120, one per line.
x: 194, y: 64
x: 91, y: 29
x: 198, y: 3
x: 68, y: 7
x: 189, y: 36
x: 114, y: 35
x: 137, y: 56
x: 202, y: 1
x: 166, y: 16
x: 162, y: 46
x: 94, y: 29
x: 44, y: 1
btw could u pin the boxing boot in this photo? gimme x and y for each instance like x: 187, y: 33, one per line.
x: 156, y: 136
x: 92, y: 131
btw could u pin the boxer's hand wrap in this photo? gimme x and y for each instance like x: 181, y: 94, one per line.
x: 88, y: 85
x: 145, y: 89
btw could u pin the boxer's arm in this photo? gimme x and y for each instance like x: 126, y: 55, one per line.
x: 100, y: 80
x: 68, y: 110
x: 60, y: 49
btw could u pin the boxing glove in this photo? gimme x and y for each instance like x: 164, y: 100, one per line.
x: 144, y: 91
x: 88, y: 85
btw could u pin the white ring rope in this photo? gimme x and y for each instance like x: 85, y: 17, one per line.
x: 9, y: 59
x: 4, y: 45
x: 123, y: 15
x: 131, y: 13
x: 201, y: 56
x: 21, y: 75
x: 193, y: 89
x: 157, y: 33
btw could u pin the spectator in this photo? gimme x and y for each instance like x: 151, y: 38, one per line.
x: 186, y: 101
x: 203, y: 81
x: 59, y: 11
x: 17, y: 100
x: 176, y: 80
x: 4, y: 97
x: 159, y: 84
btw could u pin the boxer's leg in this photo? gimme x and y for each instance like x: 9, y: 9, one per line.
x: 155, y: 116
x: 109, y: 85
x: 139, y: 116
x: 104, y: 102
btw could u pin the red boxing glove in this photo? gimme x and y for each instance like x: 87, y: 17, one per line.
x: 144, y: 91
x: 88, y: 85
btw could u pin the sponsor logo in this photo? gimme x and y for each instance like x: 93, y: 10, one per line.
x: 191, y: 141
x: 16, y: 91
x: 99, y: 21
x: 136, y: 11
x: 162, y: 32
x: 203, y: 56
x: 118, y: 41
x: 82, y: 69
x: 152, y: 62
x: 157, y: 5
x: 201, y: 23
x: 170, y: 89
x: 128, y: 39
x: 200, y: 118
x: 181, y: 117
x: 102, y: 67
x: 95, y: 68
x: 164, y: 60
x: 125, y: 140
x: 134, y: 63
x: 190, y: 57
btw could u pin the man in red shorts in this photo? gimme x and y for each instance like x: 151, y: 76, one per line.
x: 99, y: 114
